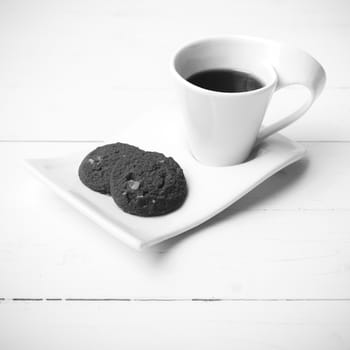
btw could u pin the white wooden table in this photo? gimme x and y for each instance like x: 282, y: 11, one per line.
x: 271, y: 272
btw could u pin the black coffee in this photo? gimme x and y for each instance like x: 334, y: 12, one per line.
x: 225, y: 80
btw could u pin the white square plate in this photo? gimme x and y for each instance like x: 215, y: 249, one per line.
x: 211, y: 189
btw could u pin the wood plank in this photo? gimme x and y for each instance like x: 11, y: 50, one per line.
x: 287, y: 239
x: 316, y: 125
x: 109, y: 111
x: 175, y: 325
x: 73, y: 70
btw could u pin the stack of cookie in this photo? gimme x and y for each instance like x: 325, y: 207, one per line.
x: 141, y: 183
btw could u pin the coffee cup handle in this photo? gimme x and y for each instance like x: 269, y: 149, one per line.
x: 294, y: 66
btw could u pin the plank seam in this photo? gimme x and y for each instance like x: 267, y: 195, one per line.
x: 176, y: 299
x: 50, y: 141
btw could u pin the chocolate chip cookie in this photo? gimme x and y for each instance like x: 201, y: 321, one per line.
x: 95, y: 170
x: 152, y: 184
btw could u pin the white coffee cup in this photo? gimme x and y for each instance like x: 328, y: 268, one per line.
x: 223, y: 127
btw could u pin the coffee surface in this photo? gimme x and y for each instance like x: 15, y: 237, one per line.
x: 225, y: 80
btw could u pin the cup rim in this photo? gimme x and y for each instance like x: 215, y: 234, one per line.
x: 222, y: 93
